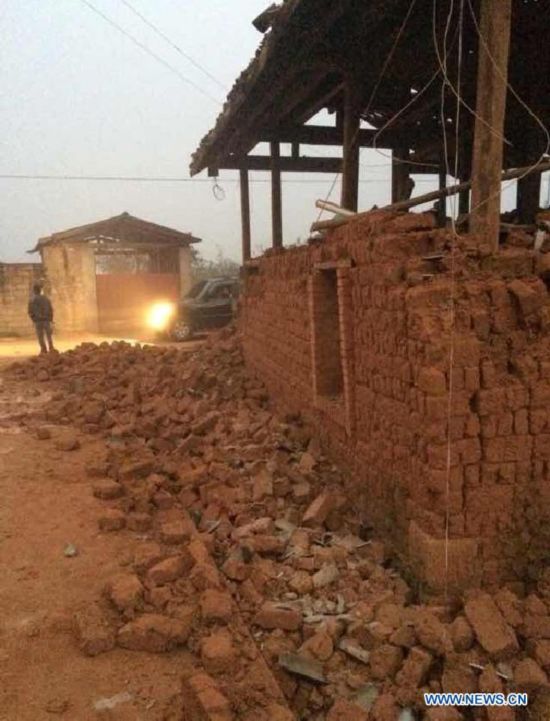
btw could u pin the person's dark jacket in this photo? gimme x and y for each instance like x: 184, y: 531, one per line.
x: 40, y: 309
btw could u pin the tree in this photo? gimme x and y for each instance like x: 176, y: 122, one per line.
x: 202, y: 268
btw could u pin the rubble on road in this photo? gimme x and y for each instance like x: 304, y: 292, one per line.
x: 251, y: 558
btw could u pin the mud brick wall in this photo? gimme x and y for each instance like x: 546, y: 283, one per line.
x: 72, y: 274
x: 16, y: 281
x: 482, y: 501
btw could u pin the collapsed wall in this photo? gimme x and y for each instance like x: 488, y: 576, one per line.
x: 356, y: 333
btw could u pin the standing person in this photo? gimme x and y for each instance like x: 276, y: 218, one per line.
x: 41, y: 313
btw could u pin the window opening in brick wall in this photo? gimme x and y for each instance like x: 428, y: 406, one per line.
x: 328, y: 367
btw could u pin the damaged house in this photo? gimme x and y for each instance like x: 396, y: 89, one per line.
x: 417, y: 346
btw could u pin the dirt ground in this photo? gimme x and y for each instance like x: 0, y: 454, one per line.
x: 47, y: 504
x: 13, y: 348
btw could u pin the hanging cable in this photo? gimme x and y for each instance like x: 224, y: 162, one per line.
x: 375, y: 89
x: 520, y: 100
x: 150, y: 52
x: 172, y: 44
x: 217, y: 191
x: 454, y: 238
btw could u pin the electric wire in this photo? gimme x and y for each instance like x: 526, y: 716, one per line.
x: 152, y: 179
x: 172, y: 44
x: 375, y: 89
x: 150, y: 52
x: 520, y: 100
x: 454, y: 238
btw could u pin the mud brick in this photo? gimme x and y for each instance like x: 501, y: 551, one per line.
x: 472, y: 475
x: 135, y: 469
x: 540, y: 396
x: 472, y: 378
x: 492, y: 631
x: 538, y: 420
x: 505, y: 424
x: 488, y: 426
x: 203, y: 700
x: 521, y: 422
x: 491, y: 401
x: 106, y: 489
x: 488, y: 374
x: 216, y: 605
x: 512, y: 448
x: 469, y: 451
x: 531, y: 295
x: 320, y: 508
x: 541, y: 448
x: 473, y: 426
x: 94, y: 633
x: 155, y: 633
x: 169, y: 570
x: 112, y: 520
x: 432, y: 381
x: 271, y: 616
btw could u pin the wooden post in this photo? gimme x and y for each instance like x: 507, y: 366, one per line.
x: 529, y: 197
x: 245, y: 213
x: 464, y: 202
x: 276, y: 201
x: 495, y: 24
x: 400, y: 175
x: 350, y: 162
x: 442, y: 202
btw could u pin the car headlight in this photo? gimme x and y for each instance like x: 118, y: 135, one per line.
x: 159, y: 315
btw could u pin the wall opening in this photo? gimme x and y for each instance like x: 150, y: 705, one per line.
x: 327, y: 366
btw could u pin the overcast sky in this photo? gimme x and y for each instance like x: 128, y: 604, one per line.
x: 79, y: 98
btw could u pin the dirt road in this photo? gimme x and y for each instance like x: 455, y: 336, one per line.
x: 47, y: 504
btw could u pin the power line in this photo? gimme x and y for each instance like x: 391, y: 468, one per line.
x: 172, y: 44
x: 150, y: 52
x: 160, y: 179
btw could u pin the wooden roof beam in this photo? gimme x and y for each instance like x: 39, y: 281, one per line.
x: 287, y: 164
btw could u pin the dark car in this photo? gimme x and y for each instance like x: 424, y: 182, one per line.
x: 209, y: 304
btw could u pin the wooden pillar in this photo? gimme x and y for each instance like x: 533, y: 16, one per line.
x: 464, y: 201
x: 442, y: 202
x: 529, y: 197
x: 401, y: 187
x: 276, y: 200
x: 495, y: 24
x: 245, y: 213
x: 350, y: 162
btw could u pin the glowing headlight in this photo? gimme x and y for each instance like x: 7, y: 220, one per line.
x: 159, y: 315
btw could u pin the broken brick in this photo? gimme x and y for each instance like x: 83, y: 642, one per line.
x: 271, y: 616
x: 318, y: 511
x: 107, y: 489
x: 492, y: 631
x: 112, y: 520
x: 154, y: 633
x: 216, y: 605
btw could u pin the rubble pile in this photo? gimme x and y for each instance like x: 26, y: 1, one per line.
x: 254, y: 559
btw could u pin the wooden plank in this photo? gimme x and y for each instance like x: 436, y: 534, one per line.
x: 350, y: 164
x: 492, y: 74
x: 276, y: 197
x: 325, y: 135
x: 433, y: 195
x: 287, y: 164
x: 245, y: 214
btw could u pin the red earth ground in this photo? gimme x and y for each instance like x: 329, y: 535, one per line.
x: 46, y: 503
